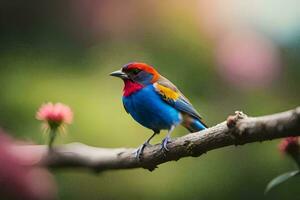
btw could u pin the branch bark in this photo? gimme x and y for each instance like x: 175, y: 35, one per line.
x: 236, y: 130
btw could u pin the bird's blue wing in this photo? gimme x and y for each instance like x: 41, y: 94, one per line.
x: 174, y: 97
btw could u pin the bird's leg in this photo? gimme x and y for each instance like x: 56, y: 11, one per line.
x: 141, y: 148
x: 167, y: 139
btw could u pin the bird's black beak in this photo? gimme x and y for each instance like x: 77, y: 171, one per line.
x: 119, y: 74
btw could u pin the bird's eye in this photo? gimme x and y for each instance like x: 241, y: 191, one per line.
x: 135, y: 71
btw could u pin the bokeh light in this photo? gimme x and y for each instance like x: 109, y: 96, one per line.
x: 247, y: 60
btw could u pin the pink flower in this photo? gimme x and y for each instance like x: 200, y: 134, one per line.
x: 55, y: 115
x: 289, y: 145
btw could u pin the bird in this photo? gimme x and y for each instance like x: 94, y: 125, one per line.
x: 156, y: 103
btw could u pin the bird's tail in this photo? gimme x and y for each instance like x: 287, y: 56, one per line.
x: 193, y: 124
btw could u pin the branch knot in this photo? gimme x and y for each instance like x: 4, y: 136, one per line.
x: 233, y: 119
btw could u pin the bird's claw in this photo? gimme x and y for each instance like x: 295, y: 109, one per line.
x: 139, y: 151
x: 164, y: 143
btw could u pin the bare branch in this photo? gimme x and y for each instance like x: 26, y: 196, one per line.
x: 237, y: 130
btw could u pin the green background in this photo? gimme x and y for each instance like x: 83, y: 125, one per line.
x: 43, y: 59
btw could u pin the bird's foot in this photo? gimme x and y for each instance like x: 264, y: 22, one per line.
x: 164, y: 143
x: 139, y: 151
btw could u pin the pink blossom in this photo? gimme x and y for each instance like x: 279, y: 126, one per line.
x: 55, y: 115
x: 20, y: 177
x: 289, y: 145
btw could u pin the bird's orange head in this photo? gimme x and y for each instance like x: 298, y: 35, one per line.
x: 138, y: 72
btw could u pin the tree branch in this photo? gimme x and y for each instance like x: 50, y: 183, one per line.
x: 237, y: 130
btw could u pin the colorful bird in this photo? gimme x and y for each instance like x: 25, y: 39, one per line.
x: 155, y: 102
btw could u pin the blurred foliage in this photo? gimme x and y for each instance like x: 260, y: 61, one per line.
x: 44, y: 59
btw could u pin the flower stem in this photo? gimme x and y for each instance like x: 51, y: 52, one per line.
x: 52, y: 138
x: 296, y: 158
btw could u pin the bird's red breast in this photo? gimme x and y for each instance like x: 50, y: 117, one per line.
x: 131, y: 87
